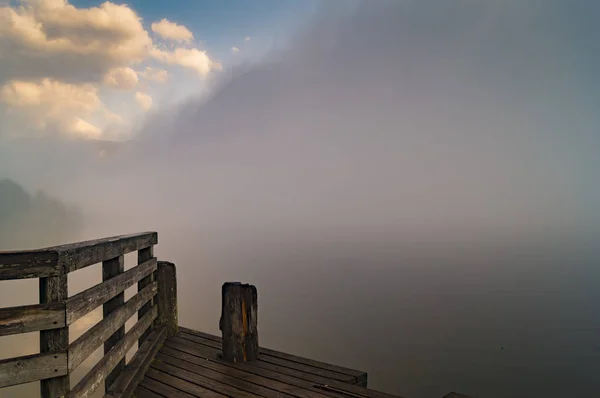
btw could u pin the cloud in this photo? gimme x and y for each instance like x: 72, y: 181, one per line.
x: 83, y: 128
x: 122, y: 78
x: 235, y: 50
x: 53, y: 104
x: 172, y: 31
x: 190, y: 58
x: 144, y: 100
x: 247, y: 39
x: 156, y: 75
x: 52, y: 38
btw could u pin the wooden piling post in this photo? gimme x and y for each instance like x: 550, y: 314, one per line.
x: 239, y: 322
x: 166, y: 297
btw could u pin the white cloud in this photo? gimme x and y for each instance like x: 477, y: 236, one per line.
x: 172, y: 31
x: 52, y: 38
x: 83, y: 128
x: 53, y: 104
x: 144, y: 100
x: 122, y: 78
x: 55, y: 97
x: 191, y: 58
x: 235, y: 50
x: 156, y: 75
x: 247, y: 39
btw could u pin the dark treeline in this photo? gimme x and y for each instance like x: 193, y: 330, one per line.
x: 34, y: 220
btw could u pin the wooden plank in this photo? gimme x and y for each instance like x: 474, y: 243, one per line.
x: 88, y: 342
x: 208, y: 357
x: 144, y: 255
x: 177, y: 384
x: 136, y: 369
x: 166, y: 390
x: 142, y: 392
x: 280, y: 373
x: 220, y: 372
x: 59, y: 260
x: 28, y: 264
x: 166, y: 298
x: 277, y: 361
x: 51, y: 290
x: 79, y: 255
x: 110, y: 269
x: 32, y: 368
x: 31, y: 318
x: 94, y: 378
x: 359, y: 375
x: 239, y: 322
x: 88, y: 300
x: 202, y: 377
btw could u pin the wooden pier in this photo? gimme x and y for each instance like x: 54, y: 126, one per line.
x: 171, y: 361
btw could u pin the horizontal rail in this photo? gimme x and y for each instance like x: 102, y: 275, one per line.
x: 135, y: 371
x: 59, y: 260
x: 88, y: 300
x: 87, y: 343
x: 91, y: 381
x: 32, y: 368
x: 32, y: 264
x: 32, y: 318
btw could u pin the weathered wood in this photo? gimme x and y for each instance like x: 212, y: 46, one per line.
x: 28, y: 264
x: 163, y: 385
x: 247, y: 382
x: 145, y: 254
x: 331, y: 375
x: 166, y: 299
x: 53, y: 290
x: 143, y: 392
x: 79, y: 255
x: 284, y: 374
x: 88, y: 342
x: 94, y: 378
x: 361, y: 377
x: 176, y: 386
x: 32, y: 368
x: 31, y: 318
x: 239, y: 321
x: 88, y: 300
x: 134, y: 372
x: 201, y: 377
x: 207, y: 359
x: 59, y: 260
x: 110, y: 269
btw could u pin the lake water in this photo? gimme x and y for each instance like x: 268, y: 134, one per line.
x: 496, y: 321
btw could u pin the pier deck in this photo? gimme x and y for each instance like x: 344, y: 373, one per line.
x: 189, y: 365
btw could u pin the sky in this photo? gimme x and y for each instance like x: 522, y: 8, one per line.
x: 93, y: 69
x: 440, y: 155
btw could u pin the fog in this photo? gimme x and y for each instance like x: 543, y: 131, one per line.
x: 408, y: 184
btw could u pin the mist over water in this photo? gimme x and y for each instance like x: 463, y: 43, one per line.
x: 407, y: 184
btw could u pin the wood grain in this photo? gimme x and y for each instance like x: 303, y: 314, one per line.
x: 88, y: 300
x: 31, y: 318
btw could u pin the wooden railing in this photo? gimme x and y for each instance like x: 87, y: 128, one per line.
x: 155, y: 304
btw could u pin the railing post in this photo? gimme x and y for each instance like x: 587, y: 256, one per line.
x: 239, y: 322
x: 110, y: 269
x: 54, y: 289
x: 143, y: 256
x: 166, y: 297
